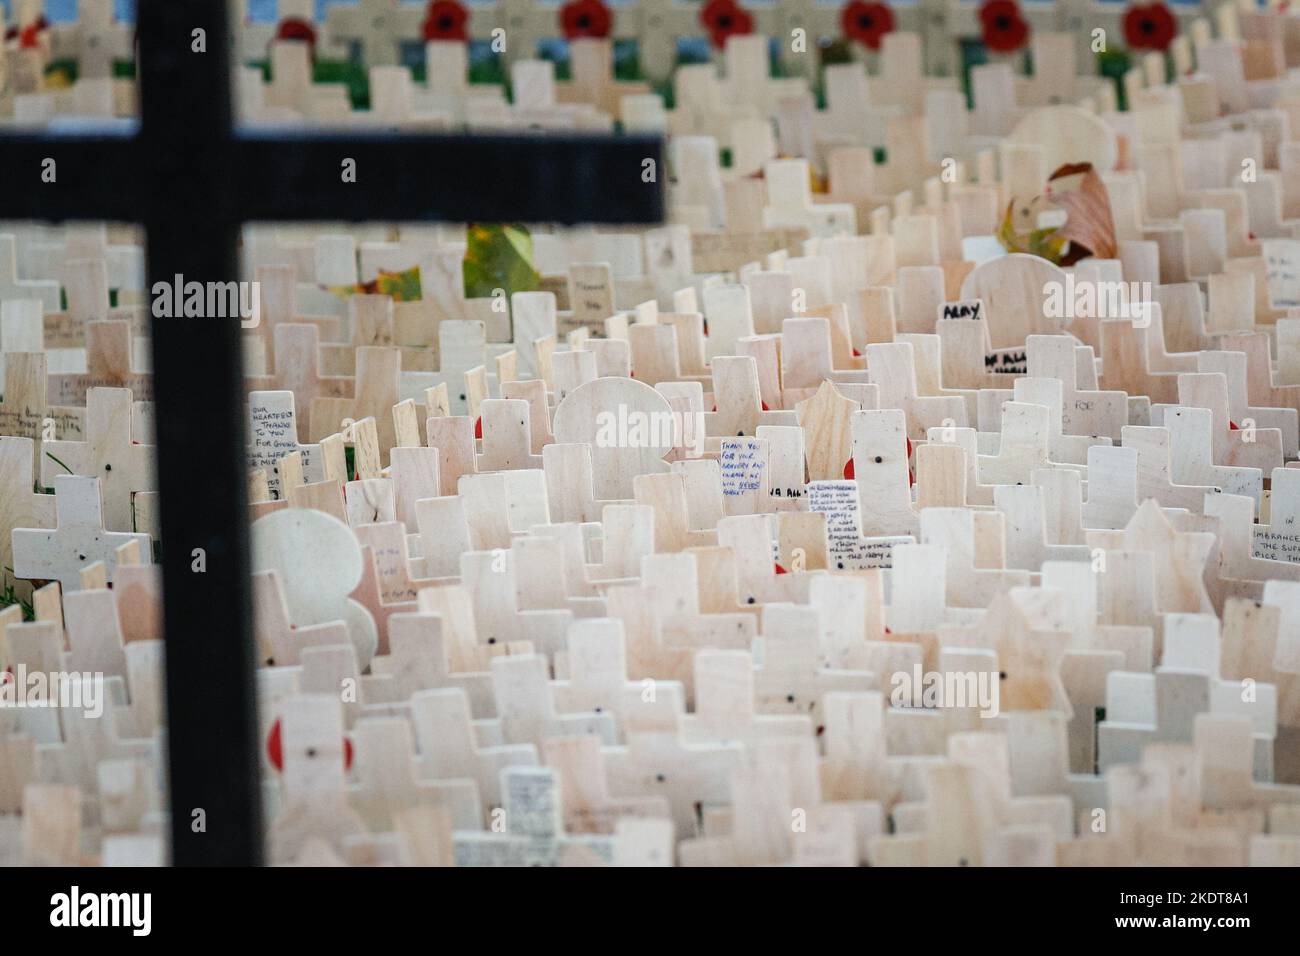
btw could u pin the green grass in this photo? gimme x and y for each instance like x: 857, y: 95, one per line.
x: 9, y: 597
x: 59, y: 463
x: 122, y: 69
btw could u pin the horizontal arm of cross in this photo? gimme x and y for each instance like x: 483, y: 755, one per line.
x: 278, y: 176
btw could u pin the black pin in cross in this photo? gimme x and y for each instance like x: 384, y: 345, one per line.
x: 191, y: 179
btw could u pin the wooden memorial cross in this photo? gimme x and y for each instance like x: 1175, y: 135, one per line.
x: 1127, y: 364
x: 1256, y: 646
x: 255, y: 37
x: 1028, y: 657
x: 965, y: 440
x: 507, y: 435
x: 534, y: 834
x: 1159, y: 358
x: 1025, y: 445
x: 533, y: 317
x: 279, y: 640
x: 1240, y: 571
x: 525, y: 704
x: 502, y: 608
x: 791, y: 676
x: 1112, y: 487
x: 880, y: 468
x: 377, y: 390
x: 591, y: 62
x: 725, y: 703
x: 1191, y: 431
x: 274, y: 433
x: 379, y: 27
x: 387, y: 585
x: 450, y: 749
x: 462, y: 348
x: 24, y: 411
x: 589, y: 807
x: 1085, y: 411
x: 298, y: 370
x: 277, y: 286
x: 96, y: 40
x: 692, y: 776
x: 1278, y: 540
x: 764, y: 794
x: 856, y: 766
x: 815, y: 348
x: 12, y: 287
x: 1028, y: 545
x: 419, y: 658
x: 108, y: 365
x: 1155, y: 469
x: 109, y: 453
x: 387, y: 768
x: 22, y: 329
x: 94, y: 634
x: 596, y: 681
x: 1110, y: 610
x: 87, y: 286
x: 658, y: 26
x: 975, y: 563
x: 893, y: 369
x: 1143, y: 709
x: 1180, y: 558
x: 313, y: 778
x: 1233, y: 366
x: 1067, y: 449
x: 1262, y: 388
x: 79, y: 537
x: 1258, y: 448
x: 847, y: 547
x: 966, y: 353
x: 20, y: 506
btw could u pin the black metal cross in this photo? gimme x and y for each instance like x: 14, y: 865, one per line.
x: 192, y: 178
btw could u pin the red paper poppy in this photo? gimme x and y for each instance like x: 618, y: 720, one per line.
x: 294, y: 28
x: 28, y: 37
x: 1149, y: 27
x: 275, y: 749
x: 445, y: 20
x: 586, y: 18
x: 1005, y: 30
x: 867, y: 22
x: 725, y: 18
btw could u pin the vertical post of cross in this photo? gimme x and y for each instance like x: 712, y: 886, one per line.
x: 193, y: 231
